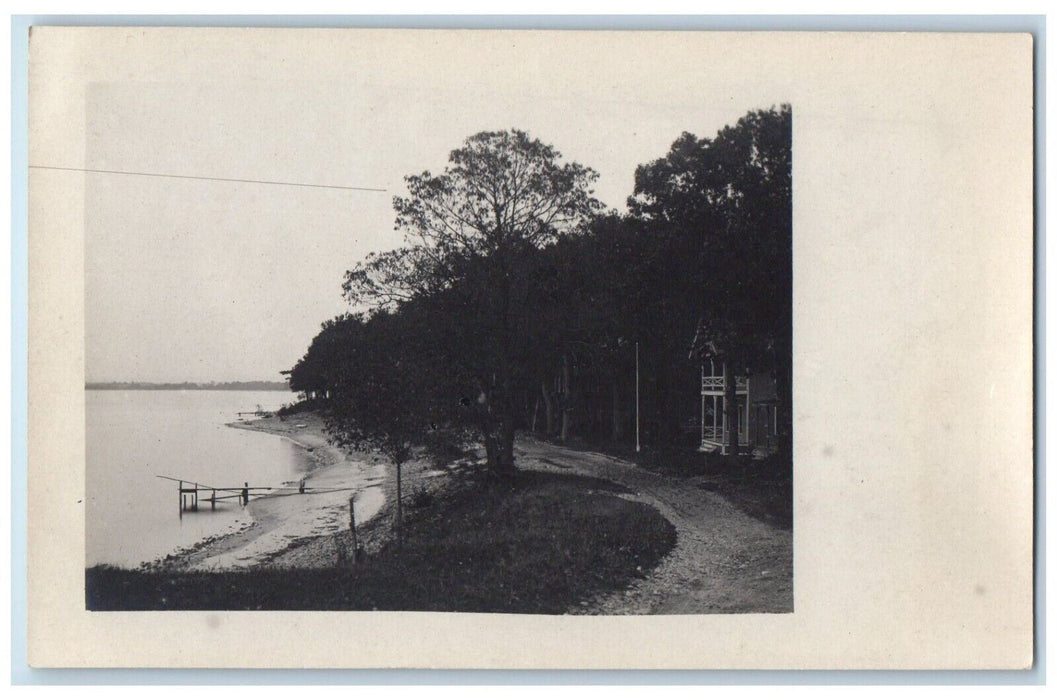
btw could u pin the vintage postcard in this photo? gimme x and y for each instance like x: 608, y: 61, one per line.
x: 529, y: 349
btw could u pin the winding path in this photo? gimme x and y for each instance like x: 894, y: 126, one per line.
x: 724, y: 561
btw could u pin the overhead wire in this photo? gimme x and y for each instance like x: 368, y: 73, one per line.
x: 209, y: 178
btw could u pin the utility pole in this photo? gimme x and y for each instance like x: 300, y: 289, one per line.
x: 638, y: 445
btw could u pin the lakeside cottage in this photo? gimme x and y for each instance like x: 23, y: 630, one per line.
x: 757, y: 410
x: 746, y: 373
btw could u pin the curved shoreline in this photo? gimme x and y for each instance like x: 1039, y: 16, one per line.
x: 284, y: 518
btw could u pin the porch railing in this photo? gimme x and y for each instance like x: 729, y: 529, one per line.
x: 715, y: 434
x: 715, y: 383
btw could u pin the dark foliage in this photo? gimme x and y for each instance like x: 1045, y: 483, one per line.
x: 306, y: 406
x: 520, y: 303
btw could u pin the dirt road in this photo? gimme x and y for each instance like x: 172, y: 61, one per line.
x: 724, y: 561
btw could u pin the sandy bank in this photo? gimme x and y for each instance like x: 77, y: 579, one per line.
x: 285, y: 517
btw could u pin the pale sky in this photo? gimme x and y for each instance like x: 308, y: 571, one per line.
x: 191, y: 280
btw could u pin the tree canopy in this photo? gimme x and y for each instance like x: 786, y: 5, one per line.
x: 470, y: 236
x: 728, y: 203
x: 517, y: 300
x: 503, y: 192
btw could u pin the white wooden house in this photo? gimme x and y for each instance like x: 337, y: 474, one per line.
x: 757, y: 410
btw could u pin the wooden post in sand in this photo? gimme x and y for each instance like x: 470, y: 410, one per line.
x: 399, y: 511
x: 352, y: 528
x: 339, y: 549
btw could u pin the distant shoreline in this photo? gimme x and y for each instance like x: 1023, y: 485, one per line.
x: 186, y: 386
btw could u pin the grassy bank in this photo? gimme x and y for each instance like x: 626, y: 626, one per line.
x: 761, y: 488
x: 540, y: 548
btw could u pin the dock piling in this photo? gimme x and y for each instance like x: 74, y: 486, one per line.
x: 189, y: 494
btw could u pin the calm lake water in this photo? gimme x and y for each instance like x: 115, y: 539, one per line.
x: 131, y: 515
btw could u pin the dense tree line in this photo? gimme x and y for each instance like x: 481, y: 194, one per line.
x: 517, y: 300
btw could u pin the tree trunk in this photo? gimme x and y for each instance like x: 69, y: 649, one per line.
x: 491, y: 450
x: 505, y: 467
x: 618, y: 418
x: 499, y: 442
x: 548, y: 405
x: 730, y: 408
x: 567, y: 408
x: 666, y: 405
x: 659, y: 412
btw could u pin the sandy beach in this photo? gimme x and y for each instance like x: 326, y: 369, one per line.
x: 285, y: 520
x: 724, y: 560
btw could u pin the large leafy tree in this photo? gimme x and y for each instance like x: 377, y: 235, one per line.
x: 389, y: 392
x: 471, y: 234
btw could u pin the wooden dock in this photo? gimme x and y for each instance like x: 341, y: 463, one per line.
x: 191, y: 493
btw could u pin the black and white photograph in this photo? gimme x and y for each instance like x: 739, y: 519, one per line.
x: 390, y: 348
x: 436, y: 347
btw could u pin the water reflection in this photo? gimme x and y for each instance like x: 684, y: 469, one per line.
x: 132, y: 516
